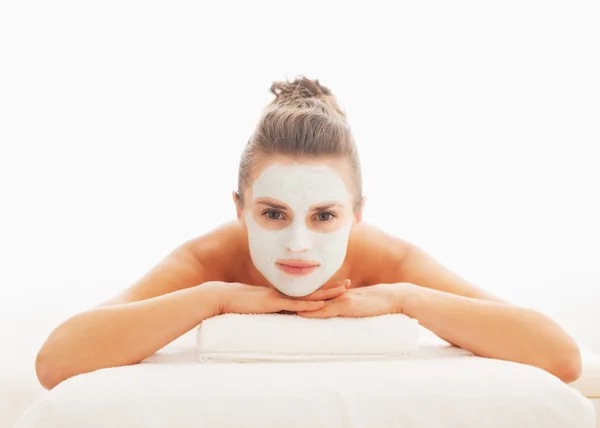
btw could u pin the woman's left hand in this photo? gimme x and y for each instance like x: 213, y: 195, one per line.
x: 365, y: 301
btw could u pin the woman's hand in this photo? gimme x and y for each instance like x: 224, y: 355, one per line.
x: 251, y: 299
x: 366, y: 301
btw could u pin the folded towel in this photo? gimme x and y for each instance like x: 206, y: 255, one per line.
x: 277, y: 337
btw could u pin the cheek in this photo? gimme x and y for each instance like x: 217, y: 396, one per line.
x: 333, y: 243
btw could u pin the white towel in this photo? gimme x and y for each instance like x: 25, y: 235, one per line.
x: 247, y: 338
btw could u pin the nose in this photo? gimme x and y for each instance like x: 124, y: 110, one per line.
x: 300, y: 240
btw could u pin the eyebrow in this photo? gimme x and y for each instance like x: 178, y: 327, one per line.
x: 272, y: 204
x: 326, y: 206
x: 277, y: 206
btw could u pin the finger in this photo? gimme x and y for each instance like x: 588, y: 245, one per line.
x: 301, y: 305
x: 324, y: 291
x: 330, y: 293
x: 346, y: 283
x: 335, y: 284
x: 327, y: 311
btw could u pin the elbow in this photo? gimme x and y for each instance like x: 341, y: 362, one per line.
x: 47, y: 371
x: 567, y: 365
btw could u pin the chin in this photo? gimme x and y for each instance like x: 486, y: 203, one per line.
x: 294, y: 290
x: 297, y: 293
x: 297, y: 285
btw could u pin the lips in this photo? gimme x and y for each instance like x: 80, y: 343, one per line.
x: 297, y: 267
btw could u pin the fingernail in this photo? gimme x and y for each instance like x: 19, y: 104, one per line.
x: 347, y: 283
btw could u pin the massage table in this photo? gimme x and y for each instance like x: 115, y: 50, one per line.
x: 439, y: 387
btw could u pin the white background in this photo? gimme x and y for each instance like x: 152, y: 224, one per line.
x: 122, y: 123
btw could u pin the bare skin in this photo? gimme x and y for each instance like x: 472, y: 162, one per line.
x: 214, y: 274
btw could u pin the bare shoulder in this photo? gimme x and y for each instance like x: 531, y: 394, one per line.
x: 221, y: 252
x: 389, y: 259
x: 192, y: 263
x: 377, y: 254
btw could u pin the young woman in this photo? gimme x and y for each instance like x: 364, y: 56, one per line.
x: 299, y: 245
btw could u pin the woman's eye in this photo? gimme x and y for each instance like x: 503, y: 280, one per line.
x: 325, y: 216
x: 273, y: 215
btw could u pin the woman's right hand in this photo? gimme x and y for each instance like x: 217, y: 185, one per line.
x: 251, y: 299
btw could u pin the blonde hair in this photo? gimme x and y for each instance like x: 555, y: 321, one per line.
x: 304, y: 119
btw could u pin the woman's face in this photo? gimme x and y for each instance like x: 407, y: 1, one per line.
x: 298, y: 215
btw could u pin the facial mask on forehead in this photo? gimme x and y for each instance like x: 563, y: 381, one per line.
x: 300, y: 187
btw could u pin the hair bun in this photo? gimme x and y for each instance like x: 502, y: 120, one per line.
x: 301, y: 89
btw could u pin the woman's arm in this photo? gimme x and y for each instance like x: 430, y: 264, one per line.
x: 472, y: 318
x: 158, y: 308
x: 486, y: 328
x: 122, y: 334
x: 170, y: 300
x: 494, y: 330
x: 406, y: 279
